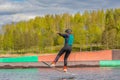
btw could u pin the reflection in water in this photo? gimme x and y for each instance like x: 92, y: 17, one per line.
x: 18, y: 74
x: 50, y: 74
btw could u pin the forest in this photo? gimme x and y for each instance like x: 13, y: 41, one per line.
x: 92, y: 30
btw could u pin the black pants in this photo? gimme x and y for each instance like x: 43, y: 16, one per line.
x: 67, y: 51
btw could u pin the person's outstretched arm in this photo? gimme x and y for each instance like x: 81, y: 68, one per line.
x: 63, y: 35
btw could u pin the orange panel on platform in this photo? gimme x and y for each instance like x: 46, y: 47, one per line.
x: 91, y: 56
x: 81, y: 56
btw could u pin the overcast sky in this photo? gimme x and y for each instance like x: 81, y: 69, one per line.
x: 17, y: 10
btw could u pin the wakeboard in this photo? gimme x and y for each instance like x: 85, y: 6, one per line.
x: 54, y: 68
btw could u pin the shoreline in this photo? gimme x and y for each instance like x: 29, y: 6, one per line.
x: 42, y: 65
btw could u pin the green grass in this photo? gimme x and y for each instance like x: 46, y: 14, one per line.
x: 52, y: 49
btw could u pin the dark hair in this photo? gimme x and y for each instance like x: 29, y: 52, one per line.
x: 68, y: 31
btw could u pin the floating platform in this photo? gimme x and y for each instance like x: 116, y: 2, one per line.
x: 104, y: 58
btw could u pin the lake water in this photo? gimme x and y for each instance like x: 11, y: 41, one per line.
x: 95, y: 73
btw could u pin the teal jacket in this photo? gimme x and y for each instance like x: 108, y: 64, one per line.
x: 69, y: 38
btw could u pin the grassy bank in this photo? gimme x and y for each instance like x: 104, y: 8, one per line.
x: 46, y: 50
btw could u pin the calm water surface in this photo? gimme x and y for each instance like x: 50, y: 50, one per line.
x: 50, y: 74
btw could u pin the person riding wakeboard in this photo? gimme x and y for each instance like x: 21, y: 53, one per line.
x: 67, y: 48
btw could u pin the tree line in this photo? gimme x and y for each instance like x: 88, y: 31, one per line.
x: 99, y: 29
